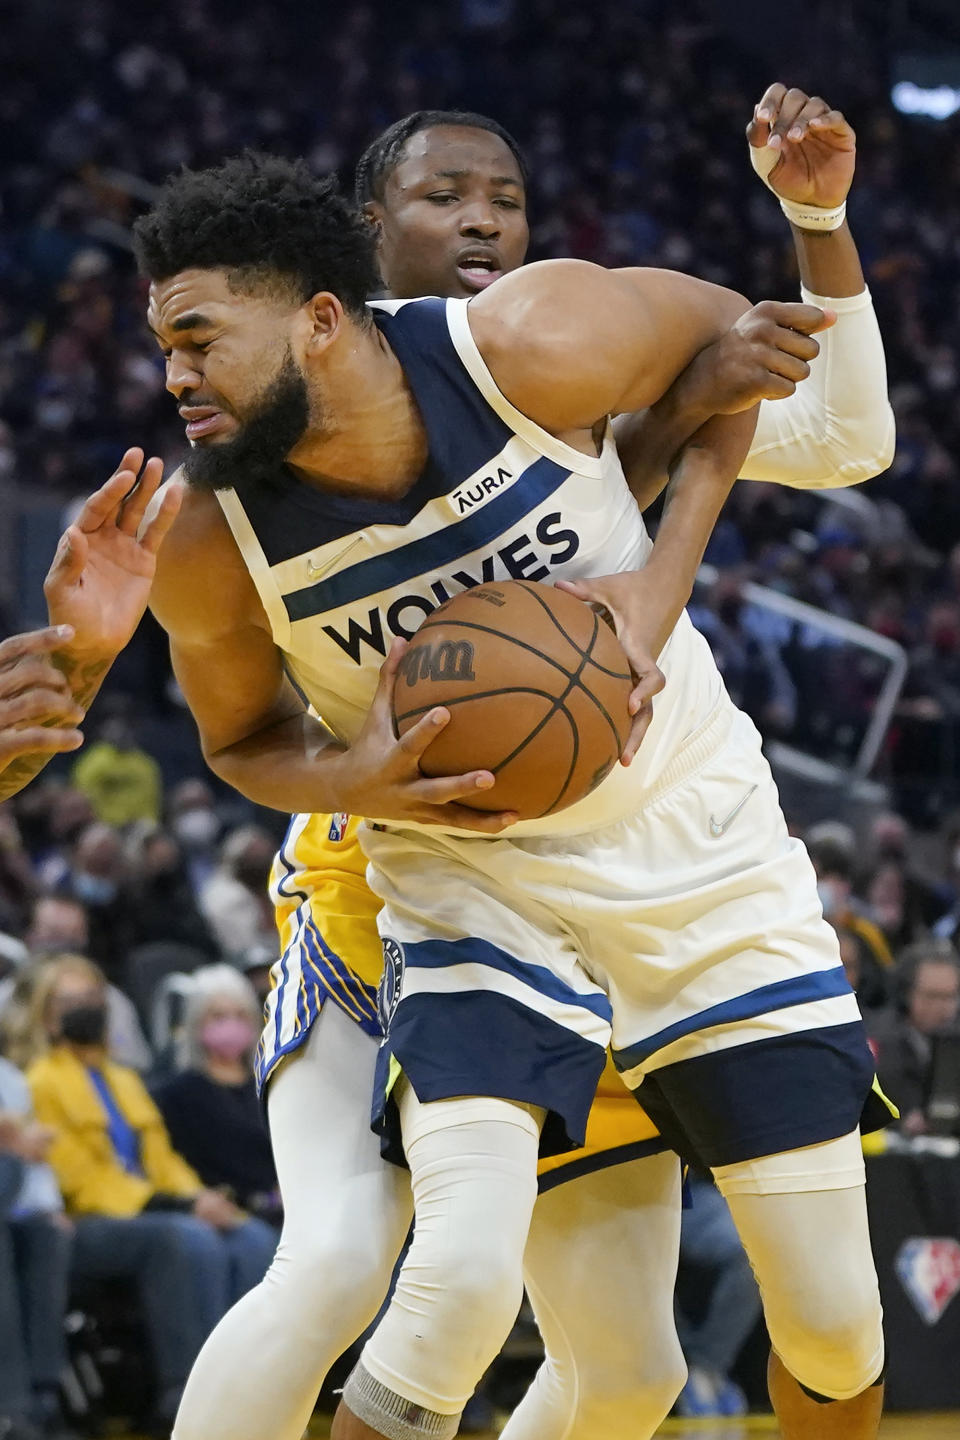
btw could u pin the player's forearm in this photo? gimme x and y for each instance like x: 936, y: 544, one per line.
x: 85, y: 674
x: 838, y: 427
x: 829, y: 261
x: 290, y: 766
x: 700, y: 481
x: 648, y: 440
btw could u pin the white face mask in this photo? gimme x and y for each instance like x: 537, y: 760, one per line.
x: 830, y: 900
x: 196, y: 829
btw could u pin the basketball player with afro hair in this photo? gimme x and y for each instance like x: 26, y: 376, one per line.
x: 309, y: 426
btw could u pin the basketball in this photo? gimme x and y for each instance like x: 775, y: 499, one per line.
x: 537, y: 687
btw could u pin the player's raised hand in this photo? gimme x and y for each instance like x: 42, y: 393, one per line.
x: 764, y: 356
x: 38, y: 714
x: 381, y: 775
x: 104, y: 565
x: 804, y: 150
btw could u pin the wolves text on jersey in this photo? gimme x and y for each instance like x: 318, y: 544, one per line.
x: 519, y: 558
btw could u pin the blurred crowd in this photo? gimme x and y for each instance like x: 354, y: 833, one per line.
x: 136, y: 933
x: 136, y: 939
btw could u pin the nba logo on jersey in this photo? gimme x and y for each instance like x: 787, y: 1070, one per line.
x: 388, y: 996
x: 929, y: 1271
x: 338, y: 825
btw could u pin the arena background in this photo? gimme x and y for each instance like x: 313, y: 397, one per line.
x: 835, y: 616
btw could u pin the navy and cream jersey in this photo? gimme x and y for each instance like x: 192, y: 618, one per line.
x: 339, y: 577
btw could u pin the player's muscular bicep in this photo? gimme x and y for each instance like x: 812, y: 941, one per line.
x: 234, y: 685
x: 569, y: 342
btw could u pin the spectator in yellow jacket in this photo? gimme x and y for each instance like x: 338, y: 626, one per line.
x: 140, y: 1210
x: 122, y: 782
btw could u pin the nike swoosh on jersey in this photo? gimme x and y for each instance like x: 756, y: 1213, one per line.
x: 720, y: 827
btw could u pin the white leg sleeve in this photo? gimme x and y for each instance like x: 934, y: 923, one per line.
x: 809, y: 1245
x: 601, y: 1262
x: 837, y: 428
x: 346, y: 1214
x: 473, y: 1164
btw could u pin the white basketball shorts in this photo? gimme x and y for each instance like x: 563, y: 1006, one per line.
x: 688, y: 935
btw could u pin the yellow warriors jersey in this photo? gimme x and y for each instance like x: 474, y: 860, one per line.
x: 330, y: 950
x: 329, y: 946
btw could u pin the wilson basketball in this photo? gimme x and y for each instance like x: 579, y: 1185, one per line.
x: 537, y: 687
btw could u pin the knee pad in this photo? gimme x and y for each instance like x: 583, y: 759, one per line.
x: 835, y: 1363
x: 473, y: 1168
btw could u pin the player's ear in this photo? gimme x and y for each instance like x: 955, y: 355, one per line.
x: 323, y: 314
x: 373, y: 214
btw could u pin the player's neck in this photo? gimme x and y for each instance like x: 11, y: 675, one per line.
x: 372, y: 441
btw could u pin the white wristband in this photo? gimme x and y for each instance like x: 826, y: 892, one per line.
x: 812, y: 217
x: 805, y: 217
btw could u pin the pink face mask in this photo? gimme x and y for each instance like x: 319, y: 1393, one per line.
x: 228, y: 1038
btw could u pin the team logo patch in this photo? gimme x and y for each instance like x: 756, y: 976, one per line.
x: 388, y: 996
x: 338, y: 825
x: 929, y: 1271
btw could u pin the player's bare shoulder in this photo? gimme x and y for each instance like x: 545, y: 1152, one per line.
x: 560, y: 339
x: 202, y: 586
x: 539, y: 308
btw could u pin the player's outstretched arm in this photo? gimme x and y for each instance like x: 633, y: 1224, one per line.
x: 838, y: 429
x: 96, y: 592
x: 254, y: 730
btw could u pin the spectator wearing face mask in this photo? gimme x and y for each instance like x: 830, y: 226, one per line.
x: 163, y: 905
x: 832, y: 848
x: 140, y: 1210
x: 59, y: 925
x: 96, y: 878
x: 196, y: 827
x: 210, y: 1105
x: 52, y: 816
x: 235, y: 898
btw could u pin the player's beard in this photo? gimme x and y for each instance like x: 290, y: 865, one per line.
x: 263, y: 441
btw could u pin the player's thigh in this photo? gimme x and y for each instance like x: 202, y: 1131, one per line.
x: 600, y: 1266
x: 342, y: 1203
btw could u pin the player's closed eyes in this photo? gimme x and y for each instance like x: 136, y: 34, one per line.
x: 202, y: 345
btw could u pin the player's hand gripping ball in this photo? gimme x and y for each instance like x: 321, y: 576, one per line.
x: 537, y: 687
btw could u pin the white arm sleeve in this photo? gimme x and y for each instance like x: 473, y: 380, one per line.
x: 837, y: 428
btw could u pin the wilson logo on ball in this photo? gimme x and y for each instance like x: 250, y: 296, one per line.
x: 453, y: 660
